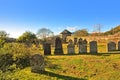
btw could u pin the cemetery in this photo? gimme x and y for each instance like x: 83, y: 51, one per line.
x: 63, y: 57
x: 59, y: 40
x: 84, y: 47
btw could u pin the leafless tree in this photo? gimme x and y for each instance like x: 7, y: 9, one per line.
x: 43, y: 33
x: 97, y: 28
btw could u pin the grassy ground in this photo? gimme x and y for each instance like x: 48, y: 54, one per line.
x: 91, y: 67
x: 103, y: 66
x: 74, y: 67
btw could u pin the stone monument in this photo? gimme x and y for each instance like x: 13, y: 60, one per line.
x: 93, y: 47
x: 47, y: 48
x: 37, y: 63
x: 80, y: 45
x: 84, y: 46
x: 71, y: 47
x: 111, y: 46
x: 58, y: 46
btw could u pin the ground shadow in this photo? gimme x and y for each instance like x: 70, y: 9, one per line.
x: 61, y: 76
x: 99, y: 54
x: 102, y: 54
x: 94, y: 54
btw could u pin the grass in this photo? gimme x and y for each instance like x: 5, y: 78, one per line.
x: 101, y: 66
x: 73, y: 67
x: 88, y: 66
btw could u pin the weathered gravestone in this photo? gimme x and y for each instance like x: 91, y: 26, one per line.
x: 75, y: 41
x: 37, y: 63
x: 47, y: 49
x: 71, y: 47
x: 93, y: 47
x: 119, y: 46
x: 111, y: 46
x: 58, y: 46
x: 80, y: 45
x: 84, y: 46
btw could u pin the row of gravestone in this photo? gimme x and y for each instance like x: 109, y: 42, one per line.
x: 82, y: 47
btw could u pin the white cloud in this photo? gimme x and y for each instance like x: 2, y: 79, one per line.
x: 72, y: 28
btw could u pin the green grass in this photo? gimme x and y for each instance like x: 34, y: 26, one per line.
x: 89, y: 66
x: 73, y: 67
x: 101, y: 66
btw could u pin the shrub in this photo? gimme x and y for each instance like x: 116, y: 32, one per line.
x: 5, y: 61
x: 22, y: 62
x: 7, y: 48
x: 20, y: 53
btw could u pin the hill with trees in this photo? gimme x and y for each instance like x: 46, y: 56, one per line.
x: 82, y: 32
x: 113, y: 31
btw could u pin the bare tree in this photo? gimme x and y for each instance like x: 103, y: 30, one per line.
x: 97, y: 28
x: 43, y: 33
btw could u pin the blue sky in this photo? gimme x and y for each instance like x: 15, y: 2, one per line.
x: 18, y: 16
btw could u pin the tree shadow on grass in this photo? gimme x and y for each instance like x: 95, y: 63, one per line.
x: 94, y: 54
x: 102, y: 54
x: 61, y: 76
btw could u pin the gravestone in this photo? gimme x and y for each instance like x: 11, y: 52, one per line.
x: 93, y: 47
x: 111, y: 46
x: 84, y: 46
x: 71, y: 47
x: 37, y: 63
x: 47, y: 49
x: 58, y: 46
x: 119, y: 46
x: 80, y: 45
x: 75, y: 41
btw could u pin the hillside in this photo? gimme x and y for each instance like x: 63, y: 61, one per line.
x: 113, y: 31
x: 83, y: 32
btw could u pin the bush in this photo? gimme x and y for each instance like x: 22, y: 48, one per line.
x: 7, y: 48
x: 20, y: 53
x: 5, y: 61
x: 22, y: 62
